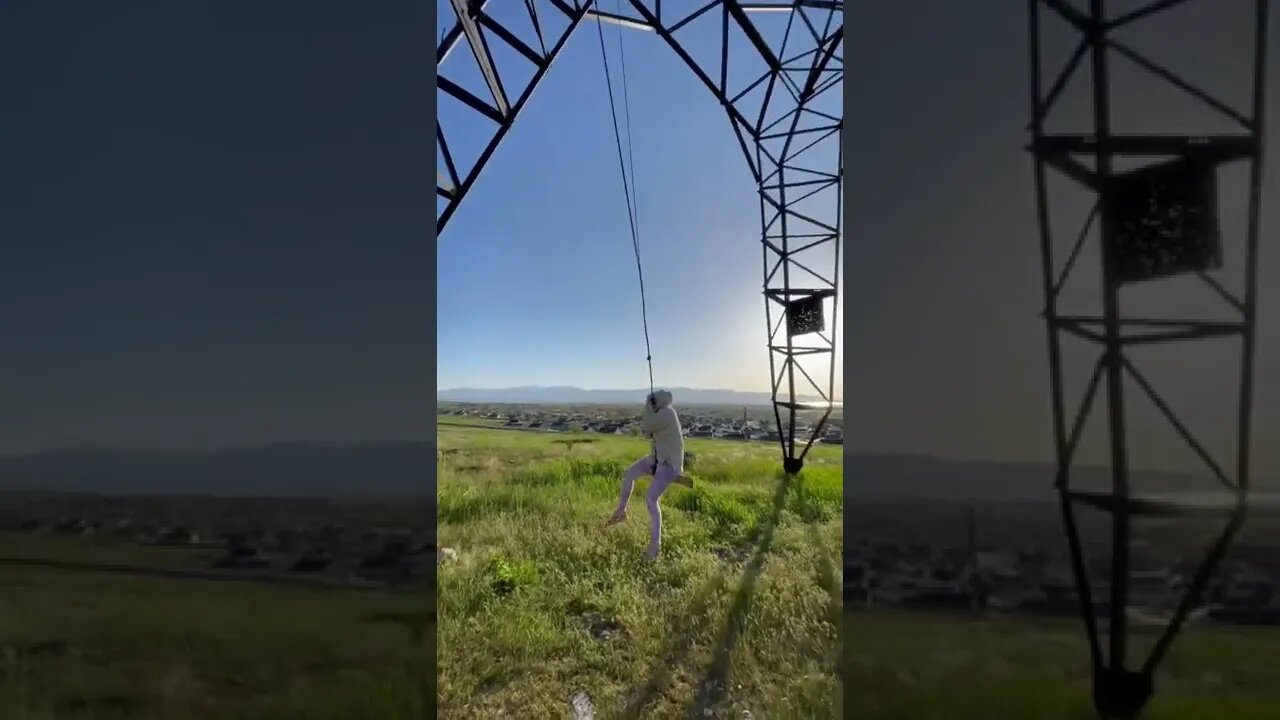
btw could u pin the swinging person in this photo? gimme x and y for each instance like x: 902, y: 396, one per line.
x: 665, y: 462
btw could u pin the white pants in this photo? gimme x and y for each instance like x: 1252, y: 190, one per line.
x: 663, y: 476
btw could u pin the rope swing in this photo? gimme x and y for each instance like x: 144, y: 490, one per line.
x: 627, y: 183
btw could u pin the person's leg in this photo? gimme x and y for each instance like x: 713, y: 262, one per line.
x: 662, y: 480
x: 643, y: 466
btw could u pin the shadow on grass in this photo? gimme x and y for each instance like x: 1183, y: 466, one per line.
x: 683, y: 630
x: 712, y: 690
x: 808, y: 506
x: 713, y: 687
x: 833, y: 584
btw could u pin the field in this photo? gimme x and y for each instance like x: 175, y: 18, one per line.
x: 93, y: 629
x: 544, y: 603
x: 740, y: 614
x: 907, y: 666
x: 739, y: 618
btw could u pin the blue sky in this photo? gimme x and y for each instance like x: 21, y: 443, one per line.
x: 536, y: 277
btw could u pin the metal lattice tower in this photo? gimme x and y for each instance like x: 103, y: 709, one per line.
x: 778, y: 75
x: 1153, y: 222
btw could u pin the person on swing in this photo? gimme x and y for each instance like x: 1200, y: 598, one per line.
x: 665, y: 462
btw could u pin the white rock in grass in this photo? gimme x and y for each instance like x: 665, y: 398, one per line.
x: 583, y: 708
x: 446, y: 555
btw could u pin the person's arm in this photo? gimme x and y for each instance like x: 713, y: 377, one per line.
x: 646, y: 415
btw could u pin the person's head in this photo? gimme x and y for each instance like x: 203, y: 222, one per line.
x: 660, y: 399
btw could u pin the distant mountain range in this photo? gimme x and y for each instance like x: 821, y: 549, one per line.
x: 567, y: 395
x: 392, y: 469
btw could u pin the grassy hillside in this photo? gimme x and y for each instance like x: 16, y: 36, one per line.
x: 111, y: 645
x: 913, y: 665
x: 544, y: 603
x: 740, y: 614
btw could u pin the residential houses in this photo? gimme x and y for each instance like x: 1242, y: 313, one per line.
x: 989, y: 580
x: 696, y: 423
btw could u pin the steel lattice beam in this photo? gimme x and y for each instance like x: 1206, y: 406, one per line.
x: 777, y: 119
x: 1119, y: 690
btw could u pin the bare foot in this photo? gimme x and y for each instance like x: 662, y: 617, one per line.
x: 617, y: 517
x: 684, y: 480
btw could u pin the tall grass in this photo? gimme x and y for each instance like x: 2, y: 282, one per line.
x: 104, y: 646
x: 545, y: 601
x: 742, y: 613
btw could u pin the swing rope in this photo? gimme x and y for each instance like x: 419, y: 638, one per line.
x: 626, y: 114
x: 627, y: 186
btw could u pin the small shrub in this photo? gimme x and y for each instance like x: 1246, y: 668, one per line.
x: 506, y: 576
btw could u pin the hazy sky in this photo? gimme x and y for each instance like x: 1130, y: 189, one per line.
x: 537, y: 278
x: 214, y: 221
x: 214, y: 231
x: 947, y: 352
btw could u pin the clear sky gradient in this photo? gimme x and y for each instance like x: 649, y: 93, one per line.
x: 537, y: 278
x: 214, y: 228
x: 214, y: 222
x: 947, y: 351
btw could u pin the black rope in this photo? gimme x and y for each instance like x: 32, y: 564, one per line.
x: 626, y: 114
x: 626, y: 190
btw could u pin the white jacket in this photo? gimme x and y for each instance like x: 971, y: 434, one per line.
x: 663, y: 427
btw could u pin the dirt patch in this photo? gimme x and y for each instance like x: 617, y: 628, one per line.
x: 582, y: 707
x: 599, y: 624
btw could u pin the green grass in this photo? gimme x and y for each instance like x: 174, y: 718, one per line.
x: 524, y: 610
x: 103, y: 645
x: 545, y: 602
x: 910, y: 665
x: 468, y: 421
